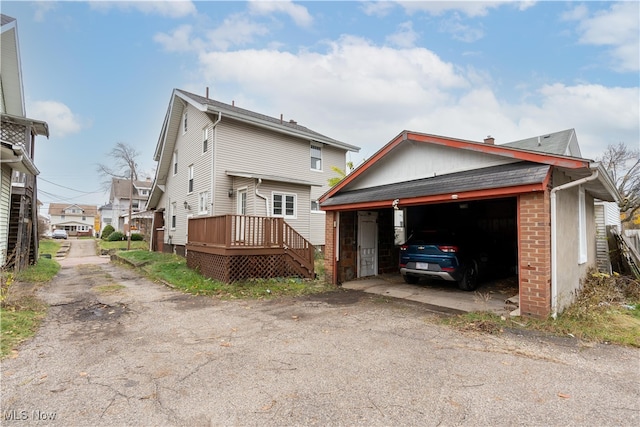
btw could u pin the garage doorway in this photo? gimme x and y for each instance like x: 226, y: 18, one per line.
x: 367, y: 244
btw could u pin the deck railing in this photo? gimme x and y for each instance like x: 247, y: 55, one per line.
x: 250, y: 232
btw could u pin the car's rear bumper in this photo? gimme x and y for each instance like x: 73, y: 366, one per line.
x: 444, y: 275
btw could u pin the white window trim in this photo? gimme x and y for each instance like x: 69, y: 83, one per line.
x: 284, y: 195
x: 582, y: 227
x: 203, y: 208
x: 205, y: 138
x: 174, y: 163
x: 319, y: 211
x: 321, y: 159
x: 190, y: 178
x: 185, y: 122
x: 172, y: 214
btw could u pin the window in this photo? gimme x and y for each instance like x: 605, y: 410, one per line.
x: 190, y: 179
x: 284, y: 205
x: 184, y: 122
x: 316, y: 157
x: 582, y: 227
x: 205, y: 139
x: 203, y: 201
x: 175, y: 162
x: 144, y: 192
x: 241, y: 209
x: 173, y: 215
x: 84, y: 218
x: 315, y: 206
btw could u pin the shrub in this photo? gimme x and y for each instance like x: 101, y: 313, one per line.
x: 137, y: 237
x: 107, y: 232
x: 115, y: 236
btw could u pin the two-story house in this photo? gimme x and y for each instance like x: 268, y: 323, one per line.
x: 126, y: 193
x: 78, y: 220
x: 18, y: 189
x: 218, y: 159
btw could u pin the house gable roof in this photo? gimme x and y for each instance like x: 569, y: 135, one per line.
x: 121, y: 189
x: 563, y: 143
x: 215, y: 109
x: 59, y: 209
x: 10, y: 70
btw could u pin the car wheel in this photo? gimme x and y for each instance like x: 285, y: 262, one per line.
x: 412, y: 280
x: 469, y: 281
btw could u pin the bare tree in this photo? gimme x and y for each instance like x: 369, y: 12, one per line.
x: 623, y: 164
x: 124, y: 166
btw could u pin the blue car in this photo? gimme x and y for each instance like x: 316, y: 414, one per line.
x: 440, y: 255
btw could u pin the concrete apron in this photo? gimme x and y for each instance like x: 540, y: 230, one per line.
x: 440, y: 296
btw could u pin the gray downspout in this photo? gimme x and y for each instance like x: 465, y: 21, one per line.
x: 213, y: 145
x: 554, y: 245
x: 266, y: 201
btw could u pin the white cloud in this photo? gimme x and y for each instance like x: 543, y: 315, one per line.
x: 377, y: 8
x: 236, y: 30
x: 299, y: 14
x: 404, y: 37
x: 169, y: 8
x: 366, y: 94
x: 179, y: 40
x: 460, y: 31
x: 466, y: 7
x: 617, y: 27
x: 59, y: 117
x: 42, y: 8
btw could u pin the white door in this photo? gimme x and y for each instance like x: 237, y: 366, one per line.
x: 367, y: 244
x: 241, y: 209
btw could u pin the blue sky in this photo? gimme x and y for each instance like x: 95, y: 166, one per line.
x: 361, y: 72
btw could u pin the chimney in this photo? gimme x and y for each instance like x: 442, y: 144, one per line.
x: 233, y: 103
x: 207, y: 96
x: 489, y: 140
x: 293, y: 122
x: 280, y: 117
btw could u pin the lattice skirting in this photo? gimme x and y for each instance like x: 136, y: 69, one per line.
x: 234, y: 268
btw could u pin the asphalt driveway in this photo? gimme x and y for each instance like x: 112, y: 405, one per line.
x: 147, y: 355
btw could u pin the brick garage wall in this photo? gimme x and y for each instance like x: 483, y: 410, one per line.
x: 348, y: 241
x: 329, y: 247
x: 534, y: 229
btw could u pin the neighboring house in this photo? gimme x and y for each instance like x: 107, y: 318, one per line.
x: 607, y: 216
x: 123, y: 195
x: 217, y: 159
x: 18, y: 186
x: 535, y: 196
x: 78, y: 220
x: 106, y: 215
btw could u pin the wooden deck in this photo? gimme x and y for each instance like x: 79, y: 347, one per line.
x: 230, y: 248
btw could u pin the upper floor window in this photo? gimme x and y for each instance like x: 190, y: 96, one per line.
x: 284, y: 205
x: 315, y: 206
x: 190, y: 179
x: 184, y: 122
x: 175, y: 162
x: 316, y: 157
x: 205, y: 139
x: 144, y: 192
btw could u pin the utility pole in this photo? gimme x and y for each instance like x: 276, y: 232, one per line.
x: 130, y: 204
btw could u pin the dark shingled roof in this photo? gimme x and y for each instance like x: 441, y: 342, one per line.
x: 241, y: 111
x: 510, y: 175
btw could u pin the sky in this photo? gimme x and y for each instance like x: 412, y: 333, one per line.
x: 361, y: 72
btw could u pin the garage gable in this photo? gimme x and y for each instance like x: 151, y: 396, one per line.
x: 501, y: 180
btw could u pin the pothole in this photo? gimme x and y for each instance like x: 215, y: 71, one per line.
x: 101, y: 312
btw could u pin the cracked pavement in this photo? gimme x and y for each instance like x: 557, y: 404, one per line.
x: 117, y: 349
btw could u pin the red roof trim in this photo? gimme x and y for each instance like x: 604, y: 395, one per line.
x: 443, y: 198
x: 510, y: 152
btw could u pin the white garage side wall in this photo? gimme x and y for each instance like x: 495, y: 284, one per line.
x: 569, y: 270
x: 411, y: 161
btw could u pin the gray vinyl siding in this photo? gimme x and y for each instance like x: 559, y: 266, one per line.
x: 235, y: 146
x: 5, y: 198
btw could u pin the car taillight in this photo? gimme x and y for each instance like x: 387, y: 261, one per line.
x: 403, y: 247
x: 448, y: 248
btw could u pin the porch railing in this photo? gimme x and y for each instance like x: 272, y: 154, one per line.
x: 251, y: 232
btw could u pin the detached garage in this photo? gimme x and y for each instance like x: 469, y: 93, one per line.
x: 530, y: 201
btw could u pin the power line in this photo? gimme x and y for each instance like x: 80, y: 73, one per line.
x: 69, y: 188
